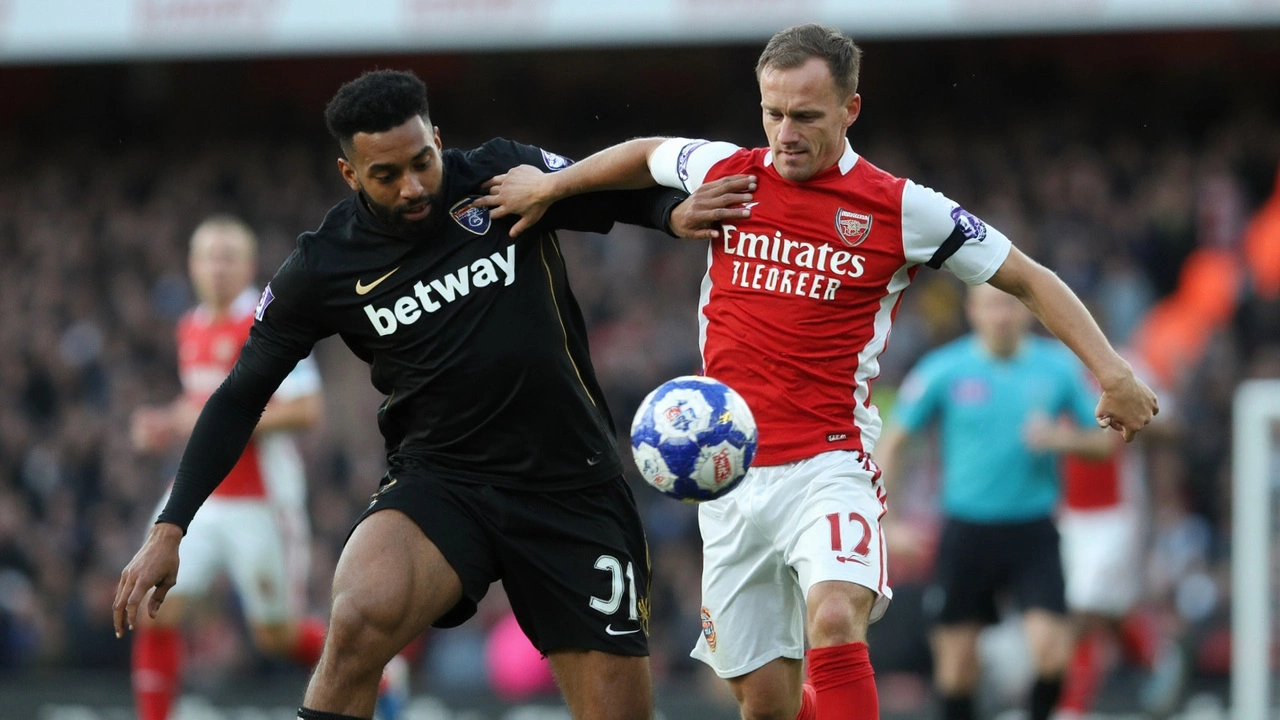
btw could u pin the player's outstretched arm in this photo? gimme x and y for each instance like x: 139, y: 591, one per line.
x: 1127, y: 404
x: 527, y: 191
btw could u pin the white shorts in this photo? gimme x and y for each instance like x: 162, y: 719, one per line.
x: 1100, y: 559
x: 784, y: 529
x: 264, y: 548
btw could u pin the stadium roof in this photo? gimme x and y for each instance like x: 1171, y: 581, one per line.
x: 33, y: 31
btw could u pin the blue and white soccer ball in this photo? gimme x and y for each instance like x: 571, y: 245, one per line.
x: 693, y: 438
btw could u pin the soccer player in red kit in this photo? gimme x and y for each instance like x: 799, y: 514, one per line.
x: 254, y: 527
x: 800, y: 292
x: 1103, y: 521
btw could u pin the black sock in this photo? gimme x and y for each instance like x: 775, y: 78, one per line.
x: 1044, y: 697
x: 957, y: 707
x: 308, y: 714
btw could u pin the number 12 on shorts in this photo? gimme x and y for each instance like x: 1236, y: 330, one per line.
x: 859, y: 525
x: 613, y: 566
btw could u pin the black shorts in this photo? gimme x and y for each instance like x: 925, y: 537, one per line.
x: 981, y: 564
x: 574, y: 563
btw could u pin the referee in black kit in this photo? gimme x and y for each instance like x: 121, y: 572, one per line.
x: 502, y: 455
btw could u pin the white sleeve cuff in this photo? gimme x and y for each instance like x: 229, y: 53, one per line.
x: 683, y: 163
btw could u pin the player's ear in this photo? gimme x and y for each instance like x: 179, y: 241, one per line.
x: 435, y: 132
x: 349, y: 174
x: 852, y: 108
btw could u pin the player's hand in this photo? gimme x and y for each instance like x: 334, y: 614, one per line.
x: 154, y: 566
x: 700, y: 216
x: 523, y: 190
x: 1126, y: 406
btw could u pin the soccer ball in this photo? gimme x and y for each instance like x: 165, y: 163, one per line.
x: 693, y: 438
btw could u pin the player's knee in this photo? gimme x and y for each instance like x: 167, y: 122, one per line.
x: 833, y: 624
x: 361, y: 633
x: 839, y: 618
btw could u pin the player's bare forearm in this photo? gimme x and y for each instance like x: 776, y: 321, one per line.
x: 299, y: 413
x: 527, y: 192
x: 624, y: 166
x: 1062, y: 312
x: 1127, y: 404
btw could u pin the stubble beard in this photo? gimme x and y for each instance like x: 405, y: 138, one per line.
x: 393, y: 218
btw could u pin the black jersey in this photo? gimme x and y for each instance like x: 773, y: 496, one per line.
x: 474, y: 336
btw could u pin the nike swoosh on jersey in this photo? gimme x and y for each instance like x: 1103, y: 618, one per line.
x: 364, y: 289
x: 609, y: 629
x: 750, y: 204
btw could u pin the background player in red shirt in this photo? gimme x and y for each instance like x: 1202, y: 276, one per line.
x: 254, y: 527
x: 1104, y: 520
x: 796, y: 308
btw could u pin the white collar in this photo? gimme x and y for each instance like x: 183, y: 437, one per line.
x: 846, y: 163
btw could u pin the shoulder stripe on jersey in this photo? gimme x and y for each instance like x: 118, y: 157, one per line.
x: 949, y: 247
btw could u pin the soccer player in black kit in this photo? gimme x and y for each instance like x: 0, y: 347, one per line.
x: 503, y: 462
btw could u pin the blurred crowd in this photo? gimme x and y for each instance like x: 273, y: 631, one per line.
x: 1113, y: 185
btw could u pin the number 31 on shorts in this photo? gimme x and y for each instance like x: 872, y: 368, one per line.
x: 613, y: 566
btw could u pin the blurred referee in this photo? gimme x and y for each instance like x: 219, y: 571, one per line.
x: 997, y: 396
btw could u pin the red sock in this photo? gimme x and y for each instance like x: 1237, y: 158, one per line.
x: 309, y: 642
x: 844, y: 683
x: 1084, y: 672
x: 157, y: 670
x: 808, y: 703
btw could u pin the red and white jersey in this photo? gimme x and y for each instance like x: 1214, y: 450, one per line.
x: 798, y: 299
x: 1093, y: 484
x: 271, y: 467
x: 1098, y: 484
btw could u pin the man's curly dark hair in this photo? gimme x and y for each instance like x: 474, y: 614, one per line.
x: 375, y: 102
